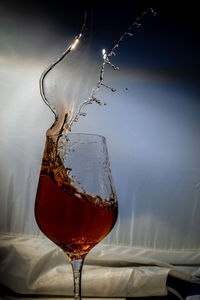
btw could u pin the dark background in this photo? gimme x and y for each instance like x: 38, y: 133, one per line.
x: 169, y: 41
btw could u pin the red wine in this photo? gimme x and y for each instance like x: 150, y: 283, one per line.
x: 74, y: 221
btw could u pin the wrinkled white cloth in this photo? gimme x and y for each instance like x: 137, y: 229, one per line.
x: 34, y: 265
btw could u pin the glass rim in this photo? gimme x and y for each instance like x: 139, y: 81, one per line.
x: 76, y: 133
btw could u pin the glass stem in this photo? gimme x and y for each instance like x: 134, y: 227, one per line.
x: 77, y: 265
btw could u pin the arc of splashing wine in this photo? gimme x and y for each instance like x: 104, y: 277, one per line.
x: 55, y: 139
x: 51, y: 66
x: 71, y: 47
x: 42, y: 92
x: 106, y: 61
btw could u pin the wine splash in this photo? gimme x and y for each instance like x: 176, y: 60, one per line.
x: 58, y: 133
x: 65, y: 119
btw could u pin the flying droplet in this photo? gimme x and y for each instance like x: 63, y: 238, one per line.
x: 138, y: 25
x: 129, y: 33
x: 83, y: 114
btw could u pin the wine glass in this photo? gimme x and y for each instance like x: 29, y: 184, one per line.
x: 76, y: 204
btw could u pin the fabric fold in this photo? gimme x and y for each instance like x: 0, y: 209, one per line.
x: 34, y: 265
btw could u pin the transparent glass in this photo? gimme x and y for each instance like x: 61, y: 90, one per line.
x: 76, y: 204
